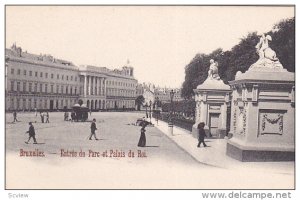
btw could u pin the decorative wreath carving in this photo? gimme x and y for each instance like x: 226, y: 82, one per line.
x: 277, y: 120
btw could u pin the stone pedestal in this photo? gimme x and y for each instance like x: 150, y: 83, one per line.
x: 212, y: 102
x: 262, y: 114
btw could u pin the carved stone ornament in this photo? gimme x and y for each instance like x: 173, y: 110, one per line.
x: 271, y: 123
x: 199, y: 111
x: 234, y: 120
x: 241, y: 121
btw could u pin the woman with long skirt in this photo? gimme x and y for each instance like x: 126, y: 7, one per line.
x: 142, y: 141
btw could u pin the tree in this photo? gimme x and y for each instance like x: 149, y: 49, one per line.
x: 196, y: 72
x: 241, y: 57
x: 139, y: 101
x: 283, y: 43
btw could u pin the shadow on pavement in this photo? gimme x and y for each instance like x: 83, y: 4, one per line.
x: 151, y: 146
x: 35, y: 143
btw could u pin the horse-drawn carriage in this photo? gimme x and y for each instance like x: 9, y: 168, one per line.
x: 79, y: 113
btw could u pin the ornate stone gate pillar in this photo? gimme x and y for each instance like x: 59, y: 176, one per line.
x: 262, y: 113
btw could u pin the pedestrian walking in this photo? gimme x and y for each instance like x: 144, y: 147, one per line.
x: 42, y: 117
x: 66, y: 116
x: 35, y: 110
x: 142, y: 140
x: 90, y: 112
x: 93, y: 130
x: 31, y: 132
x: 15, y: 116
x: 72, y: 116
x: 47, y: 117
x: 201, y: 134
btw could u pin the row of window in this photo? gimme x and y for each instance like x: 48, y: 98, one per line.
x: 63, y: 77
x: 41, y: 104
x: 118, y: 83
x: 120, y: 104
x: 41, y: 75
x: 117, y: 92
x: 35, y: 87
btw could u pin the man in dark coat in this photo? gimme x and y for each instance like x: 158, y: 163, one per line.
x: 201, y: 134
x: 31, y: 133
x: 15, y: 116
x: 42, y: 117
x: 47, y: 117
x: 93, y: 129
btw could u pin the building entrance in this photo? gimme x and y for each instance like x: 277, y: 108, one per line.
x: 51, y: 104
x: 214, y: 123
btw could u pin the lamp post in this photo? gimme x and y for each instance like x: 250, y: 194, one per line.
x: 150, y: 104
x: 170, y: 125
x: 146, y: 110
x: 156, y: 109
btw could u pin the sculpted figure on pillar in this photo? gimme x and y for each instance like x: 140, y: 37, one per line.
x: 213, y: 72
x: 267, y: 56
x: 263, y: 49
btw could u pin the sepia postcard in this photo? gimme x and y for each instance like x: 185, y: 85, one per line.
x: 150, y: 97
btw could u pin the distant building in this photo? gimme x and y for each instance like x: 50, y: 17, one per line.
x: 139, y: 90
x: 153, y: 93
x: 43, y: 82
x: 163, y: 94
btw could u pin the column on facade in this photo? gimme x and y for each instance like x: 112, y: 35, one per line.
x: 100, y: 86
x: 92, y: 85
x: 89, y: 85
x: 104, y: 87
x: 223, y: 116
x: 203, y: 112
x: 84, y: 86
x: 96, y: 86
x: 198, y: 112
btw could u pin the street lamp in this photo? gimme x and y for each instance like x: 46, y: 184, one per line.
x: 146, y: 110
x: 170, y: 125
x: 156, y: 109
x: 172, y: 97
x: 150, y: 104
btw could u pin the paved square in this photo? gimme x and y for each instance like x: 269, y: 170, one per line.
x: 165, y: 166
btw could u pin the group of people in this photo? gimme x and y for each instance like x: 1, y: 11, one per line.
x: 200, y: 129
x: 31, y: 132
x: 93, y: 127
x: 44, y: 115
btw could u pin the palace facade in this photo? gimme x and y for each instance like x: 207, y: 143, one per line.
x: 45, y: 83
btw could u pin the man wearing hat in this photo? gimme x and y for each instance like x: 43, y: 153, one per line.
x: 93, y: 129
x: 31, y: 133
x: 201, y: 134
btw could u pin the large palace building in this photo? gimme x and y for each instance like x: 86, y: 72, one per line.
x: 45, y: 83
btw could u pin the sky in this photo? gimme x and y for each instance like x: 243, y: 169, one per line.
x: 159, y: 41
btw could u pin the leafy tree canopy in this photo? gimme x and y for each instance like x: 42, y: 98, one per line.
x: 241, y: 57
